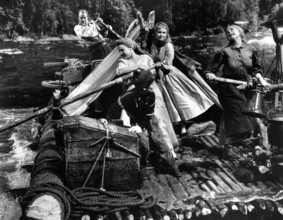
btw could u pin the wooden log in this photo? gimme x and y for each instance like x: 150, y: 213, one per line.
x: 127, y: 215
x: 258, y: 211
x: 188, y: 214
x: 216, y: 139
x: 233, y: 206
x: 202, y: 173
x: 97, y: 217
x: 227, y: 164
x: 207, y: 143
x: 210, y: 140
x: 140, y: 214
x: 186, y: 186
x: 164, y: 191
x: 261, y: 185
x: 269, y: 212
x: 250, y: 207
x: 269, y: 206
x: 79, y: 216
x: 180, y: 214
x: 228, y: 181
x: 205, y: 187
x: 205, y: 210
x: 279, y: 184
x: 54, y: 64
x: 212, y: 186
x: 278, y: 207
x: 118, y: 216
x: 106, y: 217
x: 229, y: 174
x: 177, y: 188
x: 211, y: 193
x: 223, y: 209
x: 242, y: 208
x: 156, y: 213
x: 203, y: 190
x: 260, y: 204
x: 148, y: 214
x: 197, y: 211
x: 253, y: 187
x: 190, y: 185
x: 272, y: 186
x: 212, y: 206
x: 219, y: 181
x: 278, y: 213
x: 164, y: 214
x: 173, y: 215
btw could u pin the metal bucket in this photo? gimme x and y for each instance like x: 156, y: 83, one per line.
x: 275, y: 128
x: 255, y: 107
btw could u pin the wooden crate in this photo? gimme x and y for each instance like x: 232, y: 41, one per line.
x: 122, y: 168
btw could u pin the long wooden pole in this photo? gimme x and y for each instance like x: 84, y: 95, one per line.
x: 37, y: 113
x: 66, y: 102
x: 231, y: 81
x: 110, y: 29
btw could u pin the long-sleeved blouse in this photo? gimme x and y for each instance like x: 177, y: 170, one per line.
x: 237, y: 63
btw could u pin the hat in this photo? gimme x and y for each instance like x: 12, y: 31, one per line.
x: 142, y: 79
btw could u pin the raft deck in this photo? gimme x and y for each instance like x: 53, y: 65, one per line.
x: 207, y: 187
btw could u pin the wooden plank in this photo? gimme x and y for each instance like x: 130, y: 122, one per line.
x: 210, y: 140
x: 219, y: 181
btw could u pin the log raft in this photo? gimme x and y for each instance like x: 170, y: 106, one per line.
x: 207, y: 187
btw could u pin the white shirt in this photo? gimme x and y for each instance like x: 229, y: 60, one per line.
x: 91, y: 30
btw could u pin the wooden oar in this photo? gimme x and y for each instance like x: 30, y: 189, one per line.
x: 55, y: 64
x: 274, y: 87
x: 37, y: 113
x: 110, y: 29
x: 231, y: 81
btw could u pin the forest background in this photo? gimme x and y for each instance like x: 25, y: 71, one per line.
x: 36, y: 18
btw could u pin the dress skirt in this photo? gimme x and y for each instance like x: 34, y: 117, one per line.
x: 183, y: 98
x: 233, y: 121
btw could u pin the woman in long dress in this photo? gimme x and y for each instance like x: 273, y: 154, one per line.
x: 238, y: 60
x: 183, y: 98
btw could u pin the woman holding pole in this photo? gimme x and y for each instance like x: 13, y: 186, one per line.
x: 238, y: 61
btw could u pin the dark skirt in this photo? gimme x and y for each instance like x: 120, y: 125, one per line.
x: 233, y: 102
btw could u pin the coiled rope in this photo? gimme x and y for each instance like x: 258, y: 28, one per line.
x: 86, y: 199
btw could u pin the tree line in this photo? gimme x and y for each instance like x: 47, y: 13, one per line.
x: 56, y: 17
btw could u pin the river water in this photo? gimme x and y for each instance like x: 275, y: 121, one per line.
x: 22, y: 70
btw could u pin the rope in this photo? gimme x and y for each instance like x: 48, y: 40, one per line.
x: 86, y: 199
